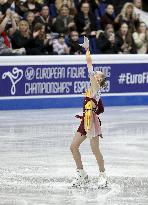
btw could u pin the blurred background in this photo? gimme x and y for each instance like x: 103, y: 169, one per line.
x: 56, y: 27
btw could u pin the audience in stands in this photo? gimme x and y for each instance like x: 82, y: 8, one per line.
x: 43, y: 27
x: 59, y: 46
x: 64, y: 22
x: 86, y: 21
x: 141, y: 38
x: 108, y: 17
x: 124, y: 40
x: 73, y: 44
x: 106, y: 41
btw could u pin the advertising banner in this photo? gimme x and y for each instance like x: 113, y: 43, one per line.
x: 72, y: 79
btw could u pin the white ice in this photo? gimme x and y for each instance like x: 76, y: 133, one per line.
x: 36, y: 165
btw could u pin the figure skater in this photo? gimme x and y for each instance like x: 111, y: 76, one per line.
x: 90, y: 126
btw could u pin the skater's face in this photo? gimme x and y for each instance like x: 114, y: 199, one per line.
x: 99, y: 76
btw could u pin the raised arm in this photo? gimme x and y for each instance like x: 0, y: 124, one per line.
x: 85, y: 45
x: 89, y: 63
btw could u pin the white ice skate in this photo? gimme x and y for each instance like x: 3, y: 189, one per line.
x: 102, y: 181
x: 81, y: 179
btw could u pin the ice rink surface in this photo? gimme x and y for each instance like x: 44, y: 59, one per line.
x: 36, y: 165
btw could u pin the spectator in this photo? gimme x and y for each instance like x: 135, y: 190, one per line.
x: 30, y: 17
x: 73, y: 44
x: 106, y: 41
x: 141, y: 38
x: 138, y: 4
x: 4, y: 5
x: 17, y: 18
x: 86, y: 21
x: 108, y: 17
x: 69, y: 3
x: 32, y: 5
x: 22, y: 36
x: 20, y: 8
x: 124, y: 40
x: 93, y: 4
x: 59, y: 46
x: 64, y: 22
x: 59, y: 16
x: 128, y: 16
x: 40, y: 41
x: 5, y: 44
x: 118, y: 4
x: 7, y: 26
x: 45, y: 19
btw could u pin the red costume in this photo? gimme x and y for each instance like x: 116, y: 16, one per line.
x: 98, y: 109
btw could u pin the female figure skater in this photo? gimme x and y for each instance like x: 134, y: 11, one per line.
x: 90, y: 124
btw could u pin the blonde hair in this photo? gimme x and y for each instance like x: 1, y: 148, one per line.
x: 27, y: 34
x: 95, y: 86
x: 123, y: 11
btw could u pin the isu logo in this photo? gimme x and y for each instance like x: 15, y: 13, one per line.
x: 29, y: 73
x: 15, y: 76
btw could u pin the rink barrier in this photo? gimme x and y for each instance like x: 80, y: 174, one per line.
x: 42, y: 82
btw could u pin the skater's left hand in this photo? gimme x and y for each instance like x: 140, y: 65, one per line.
x: 86, y: 43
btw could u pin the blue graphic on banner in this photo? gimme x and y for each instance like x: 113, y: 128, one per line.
x: 70, y: 79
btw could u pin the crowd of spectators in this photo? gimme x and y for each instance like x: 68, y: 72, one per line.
x: 57, y: 27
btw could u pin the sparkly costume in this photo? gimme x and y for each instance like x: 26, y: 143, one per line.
x: 90, y: 123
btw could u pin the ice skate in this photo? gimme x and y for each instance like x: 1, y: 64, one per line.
x: 81, y: 179
x: 102, y: 181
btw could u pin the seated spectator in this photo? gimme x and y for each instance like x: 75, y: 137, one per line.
x: 118, y: 4
x: 30, y: 17
x: 141, y: 38
x: 69, y: 3
x: 7, y: 25
x: 21, y: 38
x: 108, y: 17
x: 124, y: 40
x: 5, y: 43
x: 73, y: 44
x: 32, y: 5
x: 138, y: 4
x: 59, y: 46
x: 106, y: 41
x: 8, y: 51
x: 17, y: 18
x: 64, y: 22
x: 44, y: 18
x: 86, y: 22
x: 93, y: 4
x: 40, y: 42
x: 4, y: 5
x: 127, y: 16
